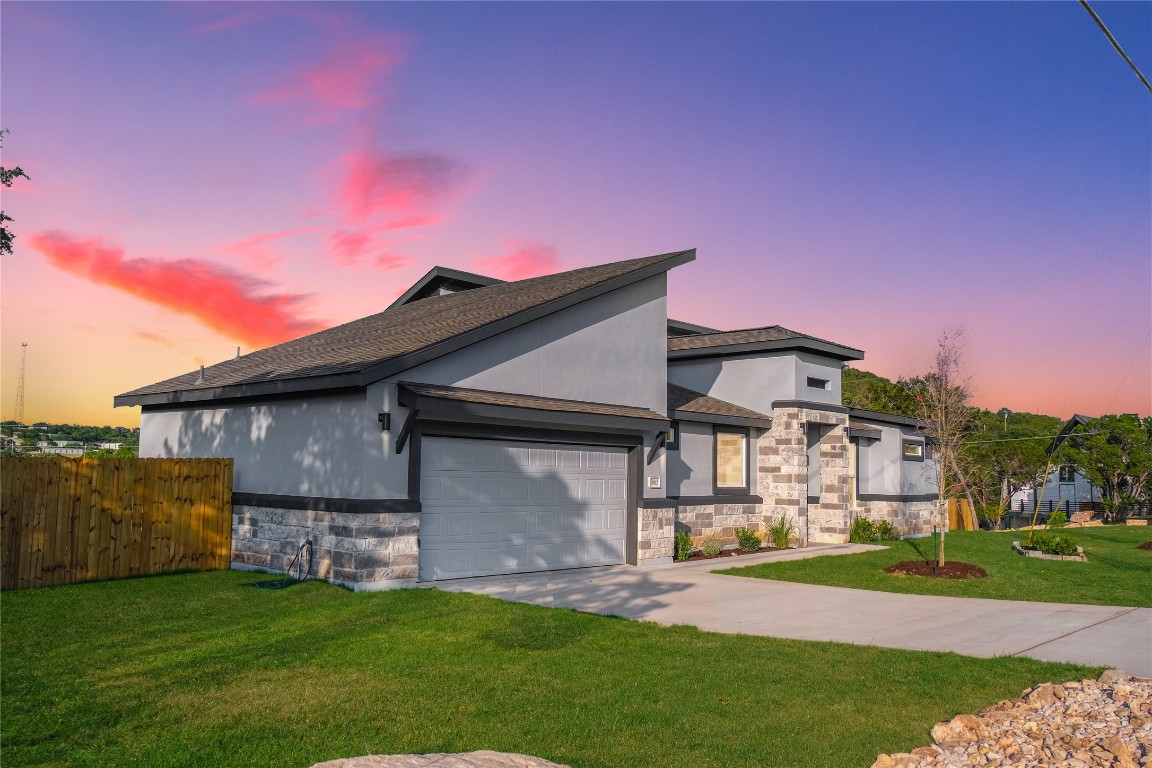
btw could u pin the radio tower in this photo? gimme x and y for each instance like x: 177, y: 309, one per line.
x: 20, y: 387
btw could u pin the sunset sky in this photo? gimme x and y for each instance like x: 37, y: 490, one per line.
x: 213, y: 175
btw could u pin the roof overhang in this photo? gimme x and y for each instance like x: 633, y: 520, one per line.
x: 883, y: 418
x: 526, y: 410
x: 825, y: 348
x: 682, y: 328
x: 1076, y: 421
x: 713, y: 418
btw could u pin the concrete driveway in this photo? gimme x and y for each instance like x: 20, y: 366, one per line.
x: 689, y: 594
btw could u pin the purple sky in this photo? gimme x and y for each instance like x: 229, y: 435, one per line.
x: 213, y: 175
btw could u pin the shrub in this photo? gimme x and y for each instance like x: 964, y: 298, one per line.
x: 712, y: 545
x: 1040, y: 541
x: 683, y: 545
x: 885, y: 531
x: 1057, y: 519
x: 780, y: 531
x: 862, y: 531
x: 747, y: 540
x: 1062, y: 545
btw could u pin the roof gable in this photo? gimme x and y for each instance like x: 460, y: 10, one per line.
x: 363, y: 351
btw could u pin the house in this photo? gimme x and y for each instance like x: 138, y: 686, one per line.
x: 478, y: 427
x: 1067, y: 489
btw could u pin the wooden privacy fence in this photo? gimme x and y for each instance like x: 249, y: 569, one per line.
x: 960, y: 517
x: 64, y: 520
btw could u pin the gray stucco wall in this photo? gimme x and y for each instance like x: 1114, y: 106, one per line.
x: 690, y: 467
x: 756, y: 381
x: 294, y: 447
x: 610, y: 349
x: 883, y: 470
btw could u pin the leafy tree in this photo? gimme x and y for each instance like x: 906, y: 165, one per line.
x: 7, y: 176
x: 861, y: 389
x: 1115, y: 454
x: 1005, y: 451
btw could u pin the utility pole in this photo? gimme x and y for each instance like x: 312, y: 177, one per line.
x: 20, y: 387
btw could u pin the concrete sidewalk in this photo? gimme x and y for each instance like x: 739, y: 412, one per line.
x: 690, y: 594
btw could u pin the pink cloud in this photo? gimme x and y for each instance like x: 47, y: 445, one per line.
x: 386, y: 261
x: 400, y: 185
x: 258, y: 251
x: 348, y: 249
x: 225, y: 301
x: 348, y: 80
x: 525, y: 258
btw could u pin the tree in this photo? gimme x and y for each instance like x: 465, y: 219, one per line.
x: 1004, y: 452
x: 945, y: 419
x: 7, y: 176
x: 861, y: 389
x: 1115, y: 454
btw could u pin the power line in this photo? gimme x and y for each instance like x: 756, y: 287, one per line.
x: 1116, y: 45
x: 1016, y: 439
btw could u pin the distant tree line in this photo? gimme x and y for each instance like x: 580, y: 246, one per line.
x: 1003, y: 451
x: 28, y: 436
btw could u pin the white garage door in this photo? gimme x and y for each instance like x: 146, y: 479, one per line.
x: 491, y: 506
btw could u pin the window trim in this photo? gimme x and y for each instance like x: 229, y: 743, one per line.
x: 746, y: 433
x: 904, y: 443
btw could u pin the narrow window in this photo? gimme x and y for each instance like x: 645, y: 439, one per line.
x: 816, y: 383
x: 1067, y: 473
x: 672, y: 440
x: 731, y: 448
x: 853, y: 462
x: 913, y: 450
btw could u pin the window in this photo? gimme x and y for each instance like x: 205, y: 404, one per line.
x: 853, y: 463
x: 672, y: 439
x: 731, y: 465
x: 913, y: 450
x: 1067, y: 474
x: 816, y: 383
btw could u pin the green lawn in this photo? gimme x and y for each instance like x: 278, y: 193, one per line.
x: 199, y: 669
x: 1117, y: 573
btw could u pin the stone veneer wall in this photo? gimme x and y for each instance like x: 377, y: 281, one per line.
x: 783, y: 473
x: 358, y: 550
x: 910, y: 518
x: 655, y: 540
x: 707, y: 520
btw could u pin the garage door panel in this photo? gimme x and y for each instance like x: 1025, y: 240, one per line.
x: 491, y: 507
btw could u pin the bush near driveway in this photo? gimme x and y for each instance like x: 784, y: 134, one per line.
x: 200, y: 670
x: 1116, y: 572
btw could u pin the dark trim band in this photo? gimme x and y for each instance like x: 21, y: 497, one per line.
x: 657, y: 504
x: 325, y: 504
x: 884, y: 418
x: 808, y: 405
x: 525, y: 434
x: 700, y: 501
x: 896, y: 497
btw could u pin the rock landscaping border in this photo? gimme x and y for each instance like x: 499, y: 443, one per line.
x: 1078, y: 557
x: 1104, y: 723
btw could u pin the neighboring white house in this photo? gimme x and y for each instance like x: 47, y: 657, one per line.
x: 477, y: 427
x: 1067, y: 489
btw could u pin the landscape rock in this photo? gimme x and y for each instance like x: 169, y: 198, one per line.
x: 1103, y: 723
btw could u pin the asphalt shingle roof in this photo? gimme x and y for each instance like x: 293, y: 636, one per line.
x: 684, y: 399
x: 744, y: 336
x: 356, y: 346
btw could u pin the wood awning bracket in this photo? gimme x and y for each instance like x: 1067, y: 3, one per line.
x: 659, y: 441
x: 406, y: 430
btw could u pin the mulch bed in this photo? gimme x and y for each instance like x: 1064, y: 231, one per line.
x: 1145, y: 545
x: 726, y: 553
x: 950, y: 570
